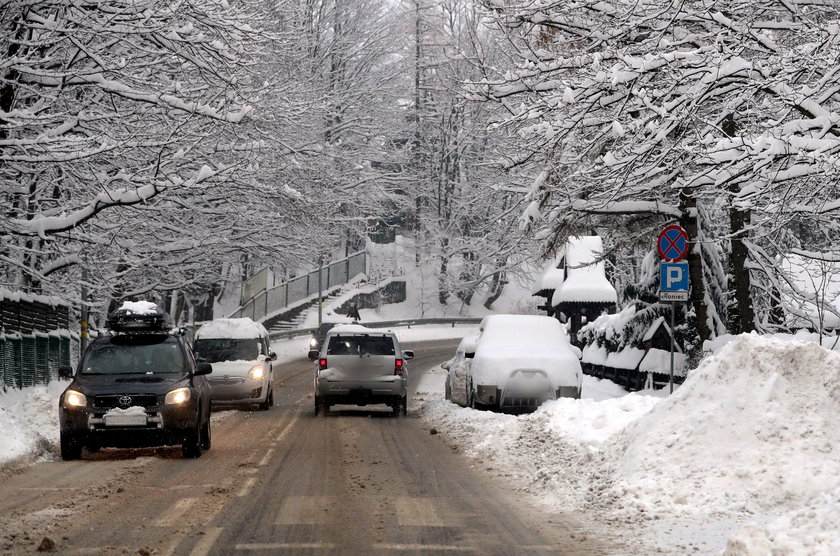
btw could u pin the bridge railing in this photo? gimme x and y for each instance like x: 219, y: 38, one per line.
x: 407, y: 323
x: 271, y: 300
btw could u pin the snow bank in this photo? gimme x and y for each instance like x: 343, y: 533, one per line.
x: 29, y: 422
x: 749, y: 437
x: 242, y: 328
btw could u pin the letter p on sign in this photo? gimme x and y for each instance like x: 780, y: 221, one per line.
x: 673, y: 277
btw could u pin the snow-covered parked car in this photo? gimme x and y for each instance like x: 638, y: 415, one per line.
x: 457, y: 370
x: 360, y: 366
x: 521, y: 361
x: 243, y: 370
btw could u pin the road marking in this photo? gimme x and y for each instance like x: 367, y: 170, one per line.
x: 425, y: 547
x: 288, y: 427
x: 178, y: 510
x: 246, y: 488
x: 419, y: 512
x: 305, y: 510
x: 287, y: 546
x: 266, y: 457
x: 205, y: 545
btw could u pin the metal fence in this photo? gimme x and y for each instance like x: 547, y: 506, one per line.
x: 297, y: 289
x: 35, y: 339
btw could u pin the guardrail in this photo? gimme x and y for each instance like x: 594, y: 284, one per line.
x: 408, y: 323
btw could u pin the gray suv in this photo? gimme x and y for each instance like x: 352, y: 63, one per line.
x: 360, y: 366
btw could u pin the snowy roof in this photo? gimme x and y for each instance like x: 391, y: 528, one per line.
x: 659, y: 361
x: 586, y: 281
x: 652, y: 329
x: 551, y: 278
x: 31, y: 297
x: 243, y: 328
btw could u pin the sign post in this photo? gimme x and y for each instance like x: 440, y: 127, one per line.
x: 672, y: 246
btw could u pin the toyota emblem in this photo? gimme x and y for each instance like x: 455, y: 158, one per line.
x: 125, y: 401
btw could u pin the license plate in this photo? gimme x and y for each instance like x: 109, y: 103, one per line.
x: 125, y: 420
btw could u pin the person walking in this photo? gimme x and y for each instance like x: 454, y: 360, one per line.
x: 353, y: 311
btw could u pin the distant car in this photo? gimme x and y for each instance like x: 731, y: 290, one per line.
x: 243, y: 369
x: 522, y: 361
x: 457, y: 371
x: 138, y: 385
x: 320, y: 333
x: 360, y: 366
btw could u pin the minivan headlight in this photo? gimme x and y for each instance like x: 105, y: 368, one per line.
x: 177, y: 396
x: 72, y: 398
x: 256, y: 372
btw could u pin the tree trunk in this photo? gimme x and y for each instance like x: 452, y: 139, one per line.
x: 697, y: 299
x: 497, y: 286
x: 744, y: 318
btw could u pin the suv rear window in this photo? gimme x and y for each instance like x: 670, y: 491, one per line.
x: 216, y: 350
x: 134, y: 354
x: 360, y: 345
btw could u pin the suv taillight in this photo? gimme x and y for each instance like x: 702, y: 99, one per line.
x: 399, y: 367
x: 322, y: 363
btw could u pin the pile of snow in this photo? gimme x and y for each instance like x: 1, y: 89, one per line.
x: 745, y: 449
x: 139, y: 307
x: 29, y: 423
x: 242, y: 329
x: 751, y: 432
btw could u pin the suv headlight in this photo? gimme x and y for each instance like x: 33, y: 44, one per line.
x: 177, y: 396
x: 256, y: 372
x: 72, y: 398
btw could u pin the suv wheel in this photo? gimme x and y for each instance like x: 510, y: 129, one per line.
x: 70, y: 447
x: 191, y: 447
x: 206, y: 438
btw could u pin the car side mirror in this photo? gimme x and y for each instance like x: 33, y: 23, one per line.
x: 577, y: 352
x: 408, y: 355
x: 445, y: 365
x: 271, y: 356
x: 65, y: 372
x: 203, y: 369
x: 313, y: 354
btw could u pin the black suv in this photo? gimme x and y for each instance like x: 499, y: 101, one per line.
x: 319, y: 334
x: 138, y: 385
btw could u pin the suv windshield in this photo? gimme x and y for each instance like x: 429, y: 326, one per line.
x: 360, y: 345
x: 216, y: 350
x: 134, y: 354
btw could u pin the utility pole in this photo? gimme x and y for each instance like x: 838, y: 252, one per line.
x: 320, y: 289
x: 83, y: 332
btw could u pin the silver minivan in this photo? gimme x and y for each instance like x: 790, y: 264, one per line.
x: 360, y: 366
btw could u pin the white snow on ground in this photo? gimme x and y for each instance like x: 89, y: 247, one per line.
x: 748, y: 438
x: 29, y: 423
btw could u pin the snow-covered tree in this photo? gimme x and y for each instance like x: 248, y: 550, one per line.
x: 718, y: 115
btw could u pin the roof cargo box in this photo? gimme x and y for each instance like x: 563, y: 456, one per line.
x: 139, y: 316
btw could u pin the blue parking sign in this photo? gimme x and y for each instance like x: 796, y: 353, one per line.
x: 673, y: 277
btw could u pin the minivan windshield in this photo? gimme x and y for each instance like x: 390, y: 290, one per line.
x: 134, y: 354
x: 216, y: 350
x: 360, y: 345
